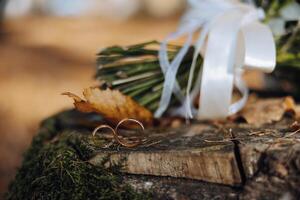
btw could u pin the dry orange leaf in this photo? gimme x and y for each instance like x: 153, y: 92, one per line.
x: 297, y: 112
x: 262, y: 111
x: 111, y: 104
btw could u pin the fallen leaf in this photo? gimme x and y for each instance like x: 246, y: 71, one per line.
x: 261, y: 111
x: 79, y: 103
x: 297, y: 112
x: 281, y: 170
x: 111, y: 104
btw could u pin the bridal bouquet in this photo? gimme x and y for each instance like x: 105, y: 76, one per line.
x: 197, y: 79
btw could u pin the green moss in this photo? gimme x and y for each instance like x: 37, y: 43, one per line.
x: 56, y: 167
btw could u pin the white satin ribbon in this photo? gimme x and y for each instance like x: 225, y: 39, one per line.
x: 231, y: 39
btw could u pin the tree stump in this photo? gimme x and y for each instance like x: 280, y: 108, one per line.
x: 198, y: 161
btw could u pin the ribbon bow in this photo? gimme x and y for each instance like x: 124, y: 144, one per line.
x: 232, y: 39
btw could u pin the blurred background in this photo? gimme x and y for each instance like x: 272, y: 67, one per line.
x: 48, y: 47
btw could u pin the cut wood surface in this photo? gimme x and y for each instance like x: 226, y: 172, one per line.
x: 180, y: 153
x: 226, y: 154
x: 199, y: 161
x: 260, y: 159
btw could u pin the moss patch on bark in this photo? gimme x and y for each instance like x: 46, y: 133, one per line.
x: 55, y: 167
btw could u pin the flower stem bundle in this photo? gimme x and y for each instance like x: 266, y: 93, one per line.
x: 135, y: 71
